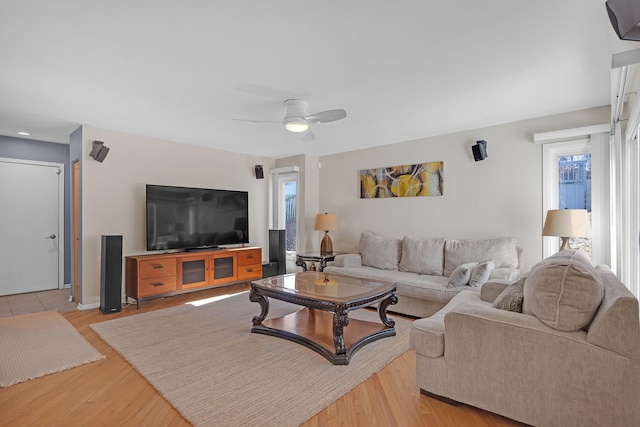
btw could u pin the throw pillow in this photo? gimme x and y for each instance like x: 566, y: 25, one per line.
x: 380, y: 252
x: 563, y: 291
x: 480, y: 273
x: 511, y: 297
x: 461, y: 275
x: 422, y: 256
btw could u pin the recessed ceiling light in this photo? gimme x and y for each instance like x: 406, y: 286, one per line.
x: 24, y: 133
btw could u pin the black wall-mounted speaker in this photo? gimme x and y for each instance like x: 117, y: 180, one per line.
x: 479, y: 150
x: 99, y: 151
x: 111, y: 274
x: 259, y: 172
x: 625, y: 18
x: 277, y: 249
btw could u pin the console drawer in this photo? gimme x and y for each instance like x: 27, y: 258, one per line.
x: 249, y: 257
x: 246, y: 272
x: 159, y: 285
x: 157, y: 267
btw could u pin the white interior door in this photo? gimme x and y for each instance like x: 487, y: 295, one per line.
x: 31, y: 201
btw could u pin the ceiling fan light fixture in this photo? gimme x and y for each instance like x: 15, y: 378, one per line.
x: 296, y: 124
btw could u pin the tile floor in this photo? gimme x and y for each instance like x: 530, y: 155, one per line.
x: 57, y: 299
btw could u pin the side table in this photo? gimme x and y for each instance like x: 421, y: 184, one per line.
x: 320, y: 257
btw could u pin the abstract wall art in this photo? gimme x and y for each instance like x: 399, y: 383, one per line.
x: 423, y: 179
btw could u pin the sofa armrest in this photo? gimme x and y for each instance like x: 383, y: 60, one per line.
x: 490, y: 290
x: 348, y: 260
x: 514, y: 354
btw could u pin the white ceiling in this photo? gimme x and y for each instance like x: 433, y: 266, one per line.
x: 182, y: 70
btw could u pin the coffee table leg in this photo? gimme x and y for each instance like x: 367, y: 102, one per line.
x: 382, y: 310
x: 340, y: 320
x: 264, y: 306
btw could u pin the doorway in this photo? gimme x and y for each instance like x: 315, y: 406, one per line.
x: 567, y: 185
x: 32, y: 214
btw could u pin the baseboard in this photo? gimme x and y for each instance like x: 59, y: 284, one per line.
x: 88, y: 306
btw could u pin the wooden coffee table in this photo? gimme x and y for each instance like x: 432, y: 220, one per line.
x: 323, y: 325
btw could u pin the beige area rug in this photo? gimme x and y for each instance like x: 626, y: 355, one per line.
x: 206, y: 362
x: 33, y: 345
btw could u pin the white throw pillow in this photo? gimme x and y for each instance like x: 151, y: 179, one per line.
x: 481, y: 273
x: 461, y: 274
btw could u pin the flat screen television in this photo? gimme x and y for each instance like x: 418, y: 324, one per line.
x: 190, y: 218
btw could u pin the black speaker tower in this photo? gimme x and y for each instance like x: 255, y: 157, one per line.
x: 111, y: 274
x: 277, y: 249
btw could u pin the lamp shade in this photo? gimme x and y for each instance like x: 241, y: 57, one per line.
x: 326, y: 222
x: 567, y: 223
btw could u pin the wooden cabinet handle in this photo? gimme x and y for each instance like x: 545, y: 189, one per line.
x: 249, y: 256
x: 157, y: 284
x: 157, y: 266
x: 249, y: 270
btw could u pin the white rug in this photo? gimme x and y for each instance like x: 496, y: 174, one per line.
x: 205, y: 361
x: 33, y: 345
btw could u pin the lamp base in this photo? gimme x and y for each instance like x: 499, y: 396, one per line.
x: 326, y: 245
x: 565, y: 243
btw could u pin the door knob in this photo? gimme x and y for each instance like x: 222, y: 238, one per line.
x: 53, y: 236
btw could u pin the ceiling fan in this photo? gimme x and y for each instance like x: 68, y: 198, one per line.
x: 297, y: 120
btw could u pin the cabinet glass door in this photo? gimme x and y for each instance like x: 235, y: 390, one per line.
x: 224, y: 269
x: 194, y: 273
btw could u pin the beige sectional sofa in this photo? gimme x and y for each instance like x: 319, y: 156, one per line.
x: 570, y: 358
x: 422, y: 269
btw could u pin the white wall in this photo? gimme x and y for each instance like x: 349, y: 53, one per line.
x: 113, y: 192
x: 499, y: 196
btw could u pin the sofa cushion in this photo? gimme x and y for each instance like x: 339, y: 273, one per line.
x: 480, y: 273
x: 424, y: 256
x: 511, y: 297
x: 502, y: 251
x: 380, y: 252
x: 510, y: 274
x: 411, y: 285
x: 462, y: 274
x: 563, y: 291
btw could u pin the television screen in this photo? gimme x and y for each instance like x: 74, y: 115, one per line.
x: 185, y: 218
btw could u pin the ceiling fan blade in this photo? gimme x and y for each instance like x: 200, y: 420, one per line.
x: 326, y: 116
x: 257, y: 121
x: 307, y: 136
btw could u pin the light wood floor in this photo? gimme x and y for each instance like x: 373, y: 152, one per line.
x: 111, y: 392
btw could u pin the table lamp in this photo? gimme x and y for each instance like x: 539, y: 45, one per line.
x: 326, y: 222
x: 567, y: 223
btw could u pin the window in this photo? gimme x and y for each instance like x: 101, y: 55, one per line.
x: 574, y: 189
x: 629, y: 206
x: 290, y: 214
x: 285, y: 205
x: 567, y: 185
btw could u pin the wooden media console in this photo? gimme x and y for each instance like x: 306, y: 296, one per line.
x: 154, y: 275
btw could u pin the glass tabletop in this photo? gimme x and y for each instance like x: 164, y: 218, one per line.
x: 326, y: 286
x: 319, y: 254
